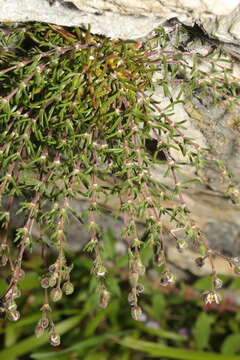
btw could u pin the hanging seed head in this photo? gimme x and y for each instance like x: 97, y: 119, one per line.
x: 56, y: 294
x: 68, y: 288
x: 136, y: 312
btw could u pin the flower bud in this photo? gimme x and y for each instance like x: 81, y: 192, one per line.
x: 159, y: 258
x: 136, y: 312
x: 199, y: 261
x: 21, y: 274
x: 55, y: 339
x: 56, y: 294
x: 68, y: 288
x: 140, y: 268
x: 3, y: 260
x: 39, y: 331
x: 16, y: 293
x: 167, y: 278
x: 11, y: 305
x: 43, y: 322
x: 133, y: 278
x: 181, y: 244
x: 52, y: 280
x: 210, y: 297
x: 13, y: 315
x: 237, y: 270
x: 140, y: 288
x: 217, y: 283
x: 45, y: 283
x: 104, y: 298
x: 52, y: 268
x: 132, y: 298
x: 100, y: 270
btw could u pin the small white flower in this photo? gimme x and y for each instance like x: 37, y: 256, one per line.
x: 211, y: 297
x: 91, y: 57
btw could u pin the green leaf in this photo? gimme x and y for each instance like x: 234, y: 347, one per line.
x: 202, y: 330
x: 25, y: 346
x: 159, y: 305
x: 76, y: 348
x: 231, y: 345
x: 158, y: 350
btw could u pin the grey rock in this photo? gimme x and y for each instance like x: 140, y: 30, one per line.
x: 130, y: 19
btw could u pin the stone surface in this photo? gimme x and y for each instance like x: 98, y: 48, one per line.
x: 130, y: 19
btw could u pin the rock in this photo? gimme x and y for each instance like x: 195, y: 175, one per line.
x: 130, y: 19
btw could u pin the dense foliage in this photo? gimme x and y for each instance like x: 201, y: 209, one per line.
x: 77, y: 113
